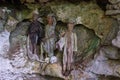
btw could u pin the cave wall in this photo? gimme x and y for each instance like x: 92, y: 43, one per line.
x: 96, y: 28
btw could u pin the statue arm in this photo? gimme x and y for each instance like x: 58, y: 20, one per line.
x: 61, y: 43
x: 54, y: 21
x: 75, y: 42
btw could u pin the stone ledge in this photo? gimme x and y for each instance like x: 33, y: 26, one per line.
x: 112, y: 12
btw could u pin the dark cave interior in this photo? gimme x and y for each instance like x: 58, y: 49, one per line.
x: 18, y: 3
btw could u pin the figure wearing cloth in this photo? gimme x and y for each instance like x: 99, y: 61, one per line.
x: 35, y: 34
x: 49, y: 40
x: 68, y: 43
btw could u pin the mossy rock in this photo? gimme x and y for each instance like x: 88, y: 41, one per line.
x: 23, y: 14
x: 19, y: 32
x: 86, y: 13
x: 1, y: 26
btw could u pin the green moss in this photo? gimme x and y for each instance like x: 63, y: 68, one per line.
x: 94, y: 43
x: 91, y: 15
x: 23, y: 14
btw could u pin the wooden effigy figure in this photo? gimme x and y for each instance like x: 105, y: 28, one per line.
x: 35, y: 34
x: 68, y: 43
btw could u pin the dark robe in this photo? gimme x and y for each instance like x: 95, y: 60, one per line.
x: 35, y: 33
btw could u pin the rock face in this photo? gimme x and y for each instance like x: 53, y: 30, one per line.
x: 97, y: 34
x: 116, y: 41
x: 3, y: 18
x: 55, y: 69
x: 106, y: 64
x: 113, y: 9
x: 90, y: 16
x: 18, y: 66
x: 111, y: 52
x: 1, y: 26
x: 11, y: 23
x: 114, y: 1
x: 19, y: 33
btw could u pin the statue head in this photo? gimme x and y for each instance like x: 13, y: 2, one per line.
x: 35, y: 14
x: 71, y: 24
x: 50, y: 19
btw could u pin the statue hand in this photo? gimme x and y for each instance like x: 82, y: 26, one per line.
x: 57, y: 46
x: 62, y: 34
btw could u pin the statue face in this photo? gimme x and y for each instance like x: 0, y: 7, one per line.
x: 50, y: 20
x: 70, y: 26
x: 35, y: 16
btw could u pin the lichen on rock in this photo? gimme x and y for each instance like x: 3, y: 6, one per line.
x: 97, y: 34
x: 91, y: 15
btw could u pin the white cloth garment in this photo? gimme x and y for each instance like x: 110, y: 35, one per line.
x: 69, y: 44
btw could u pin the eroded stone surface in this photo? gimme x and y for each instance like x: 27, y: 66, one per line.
x: 116, y: 41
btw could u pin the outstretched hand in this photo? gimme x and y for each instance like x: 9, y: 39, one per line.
x: 62, y: 34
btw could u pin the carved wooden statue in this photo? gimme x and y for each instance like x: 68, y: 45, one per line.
x: 68, y: 43
x: 49, y: 40
x: 35, y: 34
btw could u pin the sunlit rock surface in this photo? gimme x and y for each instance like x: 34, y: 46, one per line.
x: 103, y: 65
x: 97, y: 31
x: 116, y: 41
x: 16, y: 68
x: 54, y: 70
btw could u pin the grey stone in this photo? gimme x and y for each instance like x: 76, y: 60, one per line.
x: 114, y: 1
x: 1, y: 26
x: 112, y: 33
x: 103, y: 66
x: 55, y: 69
x: 113, y: 7
x: 111, y: 52
x: 116, y: 41
x: 112, y: 12
x: 19, y: 33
